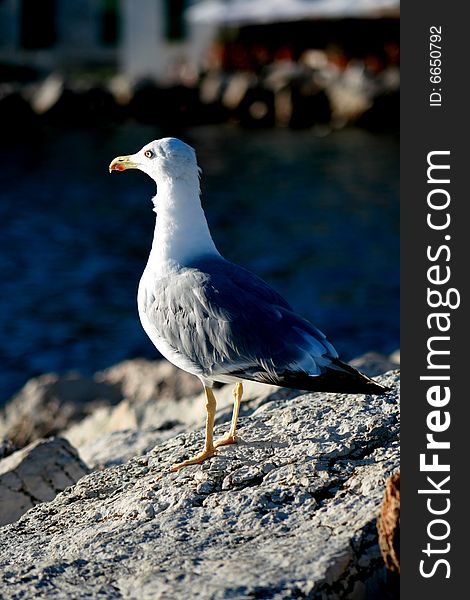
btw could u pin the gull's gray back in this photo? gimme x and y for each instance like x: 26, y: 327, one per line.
x: 214, y: 318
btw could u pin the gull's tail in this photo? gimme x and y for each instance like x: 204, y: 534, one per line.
x: 337, y: 377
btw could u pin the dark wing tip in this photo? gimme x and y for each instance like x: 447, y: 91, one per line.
x: 365, y: 384
x: 377, y: 388
x: 339, y: 377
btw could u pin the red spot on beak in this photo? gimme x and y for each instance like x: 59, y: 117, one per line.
x: 122, y: 163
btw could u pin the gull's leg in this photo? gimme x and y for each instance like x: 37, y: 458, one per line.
x: 231, y: 436
x: 209, y: 448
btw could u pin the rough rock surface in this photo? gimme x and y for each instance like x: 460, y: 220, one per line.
x: 288, y: 512
x: 36, y: 474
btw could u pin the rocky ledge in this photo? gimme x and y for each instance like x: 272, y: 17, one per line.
x: 288, y: 512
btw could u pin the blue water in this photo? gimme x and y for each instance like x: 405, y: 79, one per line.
x: 315, y: 216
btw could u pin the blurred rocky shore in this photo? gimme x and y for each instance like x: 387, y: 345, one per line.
x: 89, y: 506
x: 286, y: 94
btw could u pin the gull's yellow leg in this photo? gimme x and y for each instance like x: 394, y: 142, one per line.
x: 209, y: 448
x: 231, y: 436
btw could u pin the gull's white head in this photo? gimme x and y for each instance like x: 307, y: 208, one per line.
x: 181, y: 230
x: 168, y: 158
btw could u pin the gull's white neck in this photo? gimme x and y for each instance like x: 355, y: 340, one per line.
x: 181, y: 230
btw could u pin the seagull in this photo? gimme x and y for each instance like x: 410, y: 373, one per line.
x: 213, y: 318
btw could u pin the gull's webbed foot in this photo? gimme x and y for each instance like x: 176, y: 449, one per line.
x: 227, y: 439
x: 195, y: 460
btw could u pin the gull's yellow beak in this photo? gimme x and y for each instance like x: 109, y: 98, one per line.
x: 121, y: 163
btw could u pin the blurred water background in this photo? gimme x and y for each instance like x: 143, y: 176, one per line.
x: 293, y: 109
x: 316, y: 216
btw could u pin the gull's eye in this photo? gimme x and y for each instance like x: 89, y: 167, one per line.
x: 149, y: 153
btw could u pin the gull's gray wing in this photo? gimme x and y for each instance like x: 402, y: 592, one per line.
x: 227, y: 321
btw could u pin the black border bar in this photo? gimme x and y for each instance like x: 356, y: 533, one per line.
x: 435, y: 259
